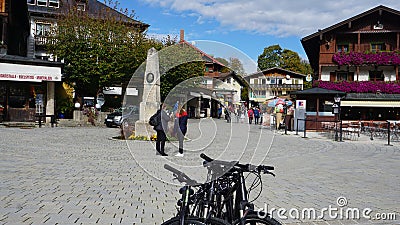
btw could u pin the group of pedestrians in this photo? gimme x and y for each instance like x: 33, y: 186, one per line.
x: 180, y: 118
x: 254, y: 114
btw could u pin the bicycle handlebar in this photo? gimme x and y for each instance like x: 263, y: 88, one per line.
x: 243, y: 167
x: 180, y: 176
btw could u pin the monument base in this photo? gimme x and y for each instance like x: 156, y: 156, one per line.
x: 143, y: 128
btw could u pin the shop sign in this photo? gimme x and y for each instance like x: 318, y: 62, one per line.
x: 31, y: 78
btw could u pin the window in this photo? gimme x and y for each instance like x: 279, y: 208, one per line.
x: 376, y: 47
x: 31, y: 2
x: 2, y: 6
x: 343, y: 48
x: 54, y: 3
x: 41, y: 2
x: 341, y: 76
x: 82, y: 7
x: 256, y: 81
x: 42, y: 29
x: 273, y: 81
x: 376, y: 76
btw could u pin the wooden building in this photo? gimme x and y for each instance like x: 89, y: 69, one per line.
x: 360, y: 55
x: 273, y: 82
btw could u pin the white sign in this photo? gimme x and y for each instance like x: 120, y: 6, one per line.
x: 100, y: 100
x: 300, y: 104
x: 308, y: 78
x: 132, y: 91
x: 17, y: 72
x: 112, y: 91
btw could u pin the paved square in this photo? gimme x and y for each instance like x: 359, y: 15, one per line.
x: 84, y: 176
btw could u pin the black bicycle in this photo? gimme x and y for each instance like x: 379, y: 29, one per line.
x: 185, y: 216
x: 223, y: 199
x: 228, y: 193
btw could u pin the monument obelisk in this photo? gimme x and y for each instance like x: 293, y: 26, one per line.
x: 151, y: 98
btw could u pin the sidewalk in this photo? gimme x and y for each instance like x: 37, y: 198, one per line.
x: 81, y: 175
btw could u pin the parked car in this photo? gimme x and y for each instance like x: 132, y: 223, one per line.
x: 121, y: 114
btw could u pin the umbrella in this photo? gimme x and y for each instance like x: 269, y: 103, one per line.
x: 272, y: 102
x: 280, y: 102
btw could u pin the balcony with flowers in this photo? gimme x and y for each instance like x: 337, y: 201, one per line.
x: 367, y: 58
x: 360, y: 86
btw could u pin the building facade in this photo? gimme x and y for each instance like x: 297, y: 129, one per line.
x: 28, y: 74
x: 26, y: 84
x: 224, y: 86
x: 360, y: 55
x: 273, y: 82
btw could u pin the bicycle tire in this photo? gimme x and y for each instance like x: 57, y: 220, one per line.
x: 254, y: 219
x: 196, y: 221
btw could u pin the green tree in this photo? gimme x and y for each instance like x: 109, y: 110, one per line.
x: 291, y: 60
x: 178, y: 63
x: 222, y: 60
x: 271, y: 57
x: 274, y: 56
x: 99, y: 50
x: 236, y: 65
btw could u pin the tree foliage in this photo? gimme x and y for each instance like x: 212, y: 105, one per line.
x: 271, y: 57
x: 274, y: 56
x: 236, y: 65
x: 178, y: 63
x: 99, y: 50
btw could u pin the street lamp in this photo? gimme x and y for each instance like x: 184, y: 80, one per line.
x: 336, y: 112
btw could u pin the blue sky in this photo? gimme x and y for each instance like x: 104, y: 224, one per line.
x: 247, y: 25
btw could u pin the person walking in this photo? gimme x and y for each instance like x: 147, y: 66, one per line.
x: 250, y: 114
x: 256, y: 112
x: 161, y: 127
x: 219, y: 112
x: 180, y: 128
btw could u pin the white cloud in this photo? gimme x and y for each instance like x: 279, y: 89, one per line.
x: 278, y: 18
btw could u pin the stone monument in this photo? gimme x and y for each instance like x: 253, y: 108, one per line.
x: 151, y: 98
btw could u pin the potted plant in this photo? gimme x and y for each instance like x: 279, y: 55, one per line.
x: 64, y: 107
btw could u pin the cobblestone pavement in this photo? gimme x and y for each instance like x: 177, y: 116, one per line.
x: 84, y: 176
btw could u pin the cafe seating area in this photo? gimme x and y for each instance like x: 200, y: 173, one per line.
x: 352, y: 130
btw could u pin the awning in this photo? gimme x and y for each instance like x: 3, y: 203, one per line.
x: 32, y: 73
x: 384, y: 104
x: 195, y: 94
x: 198, y: 95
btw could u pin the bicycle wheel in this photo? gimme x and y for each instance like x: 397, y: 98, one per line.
x: 254, y: 219
x: 196, y: 221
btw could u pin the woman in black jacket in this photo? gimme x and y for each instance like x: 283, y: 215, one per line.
x: 161, y: 128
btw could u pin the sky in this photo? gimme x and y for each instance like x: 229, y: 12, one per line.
x: 246, y: 26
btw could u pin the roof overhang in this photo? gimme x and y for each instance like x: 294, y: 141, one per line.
x: 379, y: 104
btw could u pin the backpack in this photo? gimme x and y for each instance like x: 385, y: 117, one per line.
x: 154, y: 119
